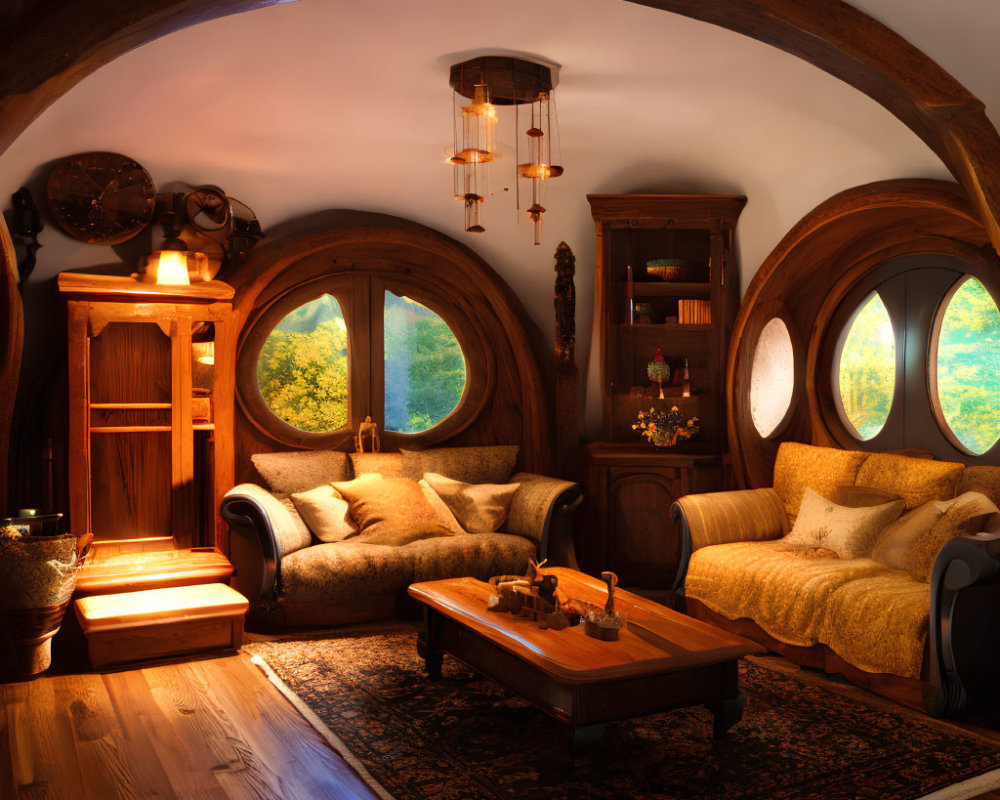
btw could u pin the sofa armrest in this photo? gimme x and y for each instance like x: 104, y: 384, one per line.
x: 262, y: 531
x: 966, y: 564
x: 749, y: 515
x: 543, y: 510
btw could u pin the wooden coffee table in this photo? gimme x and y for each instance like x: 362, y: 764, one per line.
x: 663, y: 660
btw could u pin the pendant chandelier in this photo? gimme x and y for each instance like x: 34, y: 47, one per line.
x: 492, y: 81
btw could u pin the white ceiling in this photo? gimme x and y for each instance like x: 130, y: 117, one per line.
x: 323, y: 104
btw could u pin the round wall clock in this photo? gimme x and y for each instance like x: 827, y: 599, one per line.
x: 101, y: 198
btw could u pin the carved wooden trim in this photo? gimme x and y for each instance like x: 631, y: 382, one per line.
x: 811, y: 270
x: 12, y: 313
x: 504, y: 399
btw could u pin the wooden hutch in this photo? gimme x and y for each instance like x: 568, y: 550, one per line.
x: 687, y: 310
x: 151, y: 372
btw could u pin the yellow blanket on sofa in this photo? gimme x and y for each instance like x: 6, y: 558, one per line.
x: 873, y: 617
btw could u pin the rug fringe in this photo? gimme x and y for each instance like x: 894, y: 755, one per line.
x: 967, y: 789
x: 321, y: 728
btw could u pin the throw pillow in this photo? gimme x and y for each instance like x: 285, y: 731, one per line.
x: 893, y: 545
x: 445, y: 517
x: 326, y: 512
x: 916, y: 480
x: 388, y: 465
x: 390, y: 511
x: 849, y: 532
x: 478, y: 507
x: 299, y: 470
x: 488, y: 464
x: 920, y: 560
x: 821, y: 468
x: 861, y: 496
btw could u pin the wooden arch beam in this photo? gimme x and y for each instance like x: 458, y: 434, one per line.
x: 862, y: 52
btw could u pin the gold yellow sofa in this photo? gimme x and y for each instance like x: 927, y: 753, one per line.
x: 917, y: 618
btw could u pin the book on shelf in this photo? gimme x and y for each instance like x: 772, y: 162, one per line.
x: 694, y: 312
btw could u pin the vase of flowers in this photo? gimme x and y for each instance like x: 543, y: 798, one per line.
x: 665, y: 428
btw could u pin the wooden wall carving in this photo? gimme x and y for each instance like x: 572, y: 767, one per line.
x: 12, y: 326
x: 505, y: 399
x: 807, y: 275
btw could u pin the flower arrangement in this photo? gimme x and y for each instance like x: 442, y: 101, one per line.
x: 665, y: 428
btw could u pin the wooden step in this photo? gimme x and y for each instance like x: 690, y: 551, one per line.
x: 159, y: 623
x: 134, y: 565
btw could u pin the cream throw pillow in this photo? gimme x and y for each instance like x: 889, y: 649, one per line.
x: 894, y: 543
x: 478, y: 507
x: 445, y: 517
x: 952, y: 523
x: 326, y: 512
x: 849, y: 532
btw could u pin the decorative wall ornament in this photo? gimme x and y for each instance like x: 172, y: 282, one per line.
x: 491, y: 81
x: 567, y: 407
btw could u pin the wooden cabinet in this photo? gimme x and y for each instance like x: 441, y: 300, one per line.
x: 666, y: 278
x: 151, y: 420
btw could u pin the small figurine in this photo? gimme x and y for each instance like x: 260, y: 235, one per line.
x: 604, y: 625
x: 368, y: 429
x: 658, y: 370
x: 612, y: 581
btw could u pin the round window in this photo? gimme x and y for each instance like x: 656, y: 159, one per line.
x: 772, y: 378
x: 302, y: 367
x: 865, y: 370
x: 424, y: 366
x: 965, y: 362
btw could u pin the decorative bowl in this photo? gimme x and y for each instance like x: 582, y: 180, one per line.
x: 665, y: 269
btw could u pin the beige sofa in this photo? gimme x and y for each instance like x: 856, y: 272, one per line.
x: 292, y: 579
x: 914, y: 614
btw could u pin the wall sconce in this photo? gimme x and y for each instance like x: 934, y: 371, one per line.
x: 491, y: 81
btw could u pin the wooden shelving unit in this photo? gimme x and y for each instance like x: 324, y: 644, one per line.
x: 631, y: 484
x: 147, y: 467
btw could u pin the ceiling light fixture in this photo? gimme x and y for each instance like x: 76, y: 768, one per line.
x: 491, y: 81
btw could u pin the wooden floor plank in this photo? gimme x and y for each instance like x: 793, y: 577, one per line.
x: 210, y: 727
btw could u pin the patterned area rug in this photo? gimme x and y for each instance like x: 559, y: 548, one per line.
x: 467, y: 738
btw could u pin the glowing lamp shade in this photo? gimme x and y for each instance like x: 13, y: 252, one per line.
x: 474, y: 151
x: 168, y: 268
x: 204, y: 352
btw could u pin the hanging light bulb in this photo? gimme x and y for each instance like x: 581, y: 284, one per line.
x: 539, y: 167
x: 478, y: 122
x: 489, y: 81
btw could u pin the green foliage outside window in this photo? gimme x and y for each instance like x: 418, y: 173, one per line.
x: 424, y: 366
x: 867, y: 369
x: 968, y: 367
x: 302, y: 369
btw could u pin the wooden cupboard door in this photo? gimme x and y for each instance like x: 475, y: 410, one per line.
x: 643, y: 545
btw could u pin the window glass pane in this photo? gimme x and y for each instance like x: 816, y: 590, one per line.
x: 772, y: 377
x: 424, y: 366
x: 867, y: 369
x: 968, y: 367
x: 302, y: 368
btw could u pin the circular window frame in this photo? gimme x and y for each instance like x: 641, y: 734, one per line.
x: 778, y: 312
x: 359, y: 293
x: 834, y: 372
x: 932, y: 364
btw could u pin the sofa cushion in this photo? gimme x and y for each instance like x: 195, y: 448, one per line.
x: 893, y: 545
x: 444, y: 515
x: 388, y: 465
x: 923, y: 552
x: 481, y: 556
x: 879, y: 623
x: 849, y: 532
x: 861, y: 496
x: 326, y: 512
x: 390, y: 510
x: 478, y: 507
x: 488, y: 464
x: 916, y: 480
x: 346, y: 570
x: 300, y: 470
x: 821, y: 469
x: 762, y: 581
x: 981, y: 479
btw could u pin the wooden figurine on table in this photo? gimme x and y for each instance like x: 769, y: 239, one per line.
x: 368, y: 429
x: 604, y: 625
x: 612, y: 581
